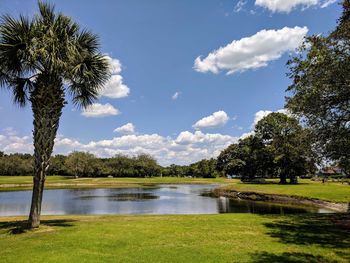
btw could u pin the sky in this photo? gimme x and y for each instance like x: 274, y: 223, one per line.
x: 189, y: 77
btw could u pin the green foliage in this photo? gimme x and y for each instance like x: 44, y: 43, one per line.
x: 80, y: 164
x: 87, y: 165
x: 57, y: 165
x: 16, y: 164
x: 50, y: 46
x: 248, y: 159
x: 83, y: 164
x: 284, y: 137
x: 279, y: 148
x: 203, y: 169
x: 320, y: 92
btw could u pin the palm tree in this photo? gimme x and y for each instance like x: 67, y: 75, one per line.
x: 43, y: 60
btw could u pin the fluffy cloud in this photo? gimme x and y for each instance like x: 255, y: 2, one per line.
x: 97, y: 110
x: 176, y: 95
x: 115, y: 88
x: 252, y: 52
x: 217, y: 119
x: 258, y: 116
x: 200, y: 138
x: 186, y: 148
x: 128, y: 128
x: 11, y: 143
x: 263, y: 113
x: 286, y: 6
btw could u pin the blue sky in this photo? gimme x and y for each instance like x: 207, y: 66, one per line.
x: 154, y: 45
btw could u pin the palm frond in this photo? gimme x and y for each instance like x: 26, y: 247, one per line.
x: 47, y: 12
x: 15, y: 36
x: 82, y: 95
x: 3, y: 79
x: 88, y: 77
x: 20, y: 89
x: 88, y: 41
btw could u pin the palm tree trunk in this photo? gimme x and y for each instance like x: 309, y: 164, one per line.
x: 47, y: 104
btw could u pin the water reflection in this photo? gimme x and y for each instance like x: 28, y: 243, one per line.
x: 167, y: 199
x: 226, y: 205
x: 123, y: 197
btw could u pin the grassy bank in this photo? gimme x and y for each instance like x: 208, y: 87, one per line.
x: 333, y: 192
x: 187, y: 238
x: 25, y: 182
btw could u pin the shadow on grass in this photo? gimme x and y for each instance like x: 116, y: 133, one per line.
x: 290, y: 258
x: 310, y: 230
x: 305, y: 230
x: 19, y: 227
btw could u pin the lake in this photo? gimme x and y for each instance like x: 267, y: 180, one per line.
x: 164, y: 199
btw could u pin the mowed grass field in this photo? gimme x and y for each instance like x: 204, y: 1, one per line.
x: 26, y: 182
x: 329, y: 191
x: 178, y: 238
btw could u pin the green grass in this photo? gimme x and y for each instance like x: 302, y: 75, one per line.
x: 29, y: 179
x: 334, y: 192
x: 9, y: 183
x: 178, y: 238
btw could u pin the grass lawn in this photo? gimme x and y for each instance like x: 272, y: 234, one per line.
x: 178, y: 238
x: 334, y: 192
x: 25, y: 182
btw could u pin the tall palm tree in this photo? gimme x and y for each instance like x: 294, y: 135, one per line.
x: 43, y: 60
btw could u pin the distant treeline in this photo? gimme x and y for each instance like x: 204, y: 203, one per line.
x: 279, y: 148
x: 82, y: 164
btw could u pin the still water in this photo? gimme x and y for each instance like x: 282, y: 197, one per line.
x: 167, y: 199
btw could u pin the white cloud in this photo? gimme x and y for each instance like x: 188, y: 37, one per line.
x: 176, y: 95
x: 239, y: 6
x: 10, y: 131
x: 11, y: 143
x: 114, y: 65
x: 246, y: 135
x: 115, y: 88
x: 217, y: 119
x: 327, y: 3
x: 286, y: 6
x: 263, y: 113
x: 258, y: 116
x: 97, y: 110
x: 252, y: 52
x: 186, y: 148
x: 198, y: 137
x: 128, y: 128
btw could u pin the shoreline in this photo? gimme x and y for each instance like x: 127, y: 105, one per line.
x: 282, y: 199
x: 296, y: 194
